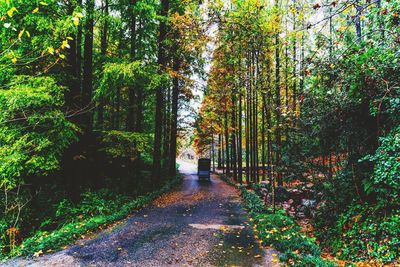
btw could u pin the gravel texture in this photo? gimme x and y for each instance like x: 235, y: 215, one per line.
x: 201, y: 223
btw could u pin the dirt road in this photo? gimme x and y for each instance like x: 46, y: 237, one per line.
x: 198, y: 224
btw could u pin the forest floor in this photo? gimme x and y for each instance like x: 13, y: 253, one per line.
x: 201, y: 223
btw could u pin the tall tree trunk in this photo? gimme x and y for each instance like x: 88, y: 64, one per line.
x: 88, y: 66
x: 219, y: 166
x: 79, y: 56
x: 247, y: 122
x: 278, y: 111
x: 256, y: 85
x: 140, y: 98
x: 167, y: 129
x: 162, y: 62
x: 213, y: 153
x: 263, y: 136
x: 250, y: 118
x: 357, y: 20
x: 240, y: 158
x: 233, y: 136
x: 130, y: 122
x: 174, y: 117
x: 72, y: 96
x: 294, y: 68
x: 223, y: 154
x: 103, y: 48
x: 228, y: 170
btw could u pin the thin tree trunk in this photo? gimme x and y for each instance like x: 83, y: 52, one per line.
x: 103, y: 48
x: 174, y: 118
x: 357, y: 20
x: 219, y: 166
x: 294, y: 68
x: 88, y: 66
x: 140, y: 98
x: 130, y: 122
x: 278, y: 111
x: 162, y: 61
x: 240, y: 158
x: 228, y: 170
x: 167, y: 129
x: 247, y: 123
x: 263, y: 136
x: 233, y: 136
x: 73, y: 94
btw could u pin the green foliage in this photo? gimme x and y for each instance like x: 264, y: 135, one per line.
x: 360, y: 235
x: 33, y: 129
x: 33, y: 135
x: 385, y: 180
x: 119, y: 144
x: 99, y: 203
x: 253, y: 202
x: 123, y: 74
x: 281, y: 232
x: 32, y: 30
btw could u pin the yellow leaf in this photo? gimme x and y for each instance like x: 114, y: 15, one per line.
x: 14, y: 60
x: 28, y: 34
x: 50, y: 50
x: 76, y: 21
x: 43, y: 3
x: 11, y: 12
x: 62, y: 56
x: 65, y: 44
x: 35, y: 10
x: 79, y: 15
x: 20, y: 34
x: 70, y: 38
x: 37, y: 254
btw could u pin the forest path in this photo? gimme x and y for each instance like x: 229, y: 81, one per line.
x: 199, y: 224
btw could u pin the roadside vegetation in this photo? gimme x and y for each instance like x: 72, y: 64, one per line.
x: 302, y: 105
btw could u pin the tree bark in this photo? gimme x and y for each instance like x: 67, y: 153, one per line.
x: 130, y: 122
x: 103, y: 48
x: 228, y: 170
x: 278, y: 111
x: 233, y: 137
x: 162, y: 61
x: 174, y: 117
x: 88, y: 66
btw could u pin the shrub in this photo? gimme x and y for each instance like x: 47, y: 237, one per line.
x: 280, y: 231
x: 33, y: 135
x: 85, y: 217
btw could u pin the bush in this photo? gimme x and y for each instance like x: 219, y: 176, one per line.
x: 385, y: 182
x: 34, y: 133
x: 280, y: 231
x: 364, y: 235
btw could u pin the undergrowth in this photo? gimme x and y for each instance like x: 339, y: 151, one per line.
x: 96, y: 211
x: 281, y: 232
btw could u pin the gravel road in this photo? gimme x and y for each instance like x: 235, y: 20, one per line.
x: 200, y: 223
